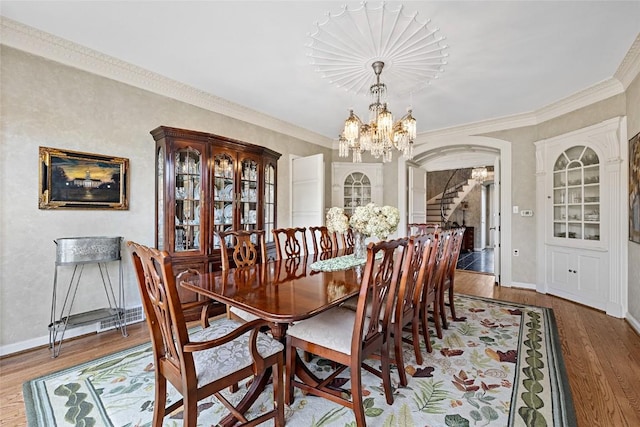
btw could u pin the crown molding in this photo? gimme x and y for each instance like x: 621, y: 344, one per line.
x: 34, y: 41
x: 598, y: 92
x: 630, y: 66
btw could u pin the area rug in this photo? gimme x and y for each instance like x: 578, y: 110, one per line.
x: 500, y: 364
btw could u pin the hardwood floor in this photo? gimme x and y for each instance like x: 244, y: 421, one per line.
x: 601, y: 354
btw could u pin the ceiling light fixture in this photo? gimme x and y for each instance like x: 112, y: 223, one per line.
x: 380, y: 135
x: 358, y: 36
x: 479, y: 174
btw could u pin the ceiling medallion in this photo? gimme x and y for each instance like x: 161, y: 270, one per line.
x: 348, y: 44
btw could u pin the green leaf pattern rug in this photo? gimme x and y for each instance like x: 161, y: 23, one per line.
x: 500, y: 365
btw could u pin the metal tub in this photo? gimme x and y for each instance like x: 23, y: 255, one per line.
x: 78, y: 250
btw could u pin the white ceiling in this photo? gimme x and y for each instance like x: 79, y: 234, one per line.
x: 505, y: 57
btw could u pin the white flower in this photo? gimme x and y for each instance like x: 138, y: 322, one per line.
x: 337, y: 221
x: 374, y: 220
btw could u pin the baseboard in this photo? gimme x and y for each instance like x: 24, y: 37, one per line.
x: 133, y: 315
x: 635, y: 324
x: 522, y: 285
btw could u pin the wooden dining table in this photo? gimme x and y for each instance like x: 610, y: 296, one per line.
x: 280, y: 292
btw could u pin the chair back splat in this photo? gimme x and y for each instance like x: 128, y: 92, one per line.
x: 290, y: 242
x: 323, y: 240
x: 247, y: 248
x: 208, y: 360
x: 416, y: 229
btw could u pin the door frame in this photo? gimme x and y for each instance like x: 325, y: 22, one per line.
x: 503, y: 150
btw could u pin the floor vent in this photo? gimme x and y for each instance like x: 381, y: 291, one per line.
x: 132, y: 315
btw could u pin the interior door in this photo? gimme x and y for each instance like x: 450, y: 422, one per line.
x: 417, y: 195
x: 307, y: 191
x: 496, y: 221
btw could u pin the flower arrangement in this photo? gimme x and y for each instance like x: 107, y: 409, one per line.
x: 374, y: 220
x: 337, y: 221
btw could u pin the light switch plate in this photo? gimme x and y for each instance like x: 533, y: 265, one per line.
x: 515, y: 209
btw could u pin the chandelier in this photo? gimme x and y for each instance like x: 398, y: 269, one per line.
x: 380, y: 136
x: 479, y: 174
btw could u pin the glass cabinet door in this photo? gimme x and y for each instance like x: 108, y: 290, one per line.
x: 188, y: 210
x: 249, y: 177
x: 269, y: 201
x: 223, y: 194
x: 357, y: 191
x: 576, y: 194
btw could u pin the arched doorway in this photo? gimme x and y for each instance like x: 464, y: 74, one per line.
x: 452, y: 152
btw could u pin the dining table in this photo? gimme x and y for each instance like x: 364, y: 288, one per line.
x: 282, y: 292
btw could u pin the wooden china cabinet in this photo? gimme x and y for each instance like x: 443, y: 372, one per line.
x: 207, y: 183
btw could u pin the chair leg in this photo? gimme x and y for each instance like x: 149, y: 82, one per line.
x: 397, y: 353
x: 415, y: 333
x: 290, y: 368
x: 160, y: 400
x: 452, y: 306
x: 356, y: 398
x: 443, y: 312
x: 278, y: 392
x: 190, y: 413
x: 386, y: 373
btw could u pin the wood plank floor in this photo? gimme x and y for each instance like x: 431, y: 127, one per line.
x: 601, y: 353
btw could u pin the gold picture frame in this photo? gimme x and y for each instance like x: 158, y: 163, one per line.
x: 76, y: 180
x: 634, y: 189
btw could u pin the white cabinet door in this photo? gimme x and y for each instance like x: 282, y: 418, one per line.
x: 578, y: 275
x: 307, y: 191
x: 417, y: 200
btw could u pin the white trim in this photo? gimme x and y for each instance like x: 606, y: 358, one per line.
x: 523, y: 285
x: 630, y: 66
x: 504, y: 152
x: 44, y: 340
x: 37, y: 42
x: 32, y: 40
x: 633, y: 322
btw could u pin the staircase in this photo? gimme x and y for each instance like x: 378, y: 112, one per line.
x: 440, y: 207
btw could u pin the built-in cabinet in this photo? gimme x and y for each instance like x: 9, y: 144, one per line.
x: 580, y: 194
x: 356, y: 184
x: 205, y: 184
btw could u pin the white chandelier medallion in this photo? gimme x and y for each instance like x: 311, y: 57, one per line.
x: 344, y: 49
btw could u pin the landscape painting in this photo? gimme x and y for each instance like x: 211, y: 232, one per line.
x: 74, y: 180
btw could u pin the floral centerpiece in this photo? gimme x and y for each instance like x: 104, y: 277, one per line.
x: 337, y: 221
x: 366, y: 221
x: 374, y: 220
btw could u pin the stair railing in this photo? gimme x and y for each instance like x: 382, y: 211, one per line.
x: 443, y: 218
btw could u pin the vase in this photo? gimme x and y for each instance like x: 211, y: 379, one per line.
x: 359, y: 246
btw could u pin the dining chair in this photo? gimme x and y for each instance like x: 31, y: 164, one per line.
x: 323, y: 240
x: 348, y: 240
x: 204, y: 362
x: 247, y: 247
x: 418, y: 265
x: 433, y: 287
x: 290, y: 242
x: 448, y: 278
x: 348, y: 337
x: 414, y: 229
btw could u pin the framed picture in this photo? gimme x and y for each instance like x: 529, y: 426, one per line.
x: 634, y: 189
x: 74, y: 180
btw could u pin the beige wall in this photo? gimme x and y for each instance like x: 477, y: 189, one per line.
x: 45, y: 103
x: 633, y: 127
